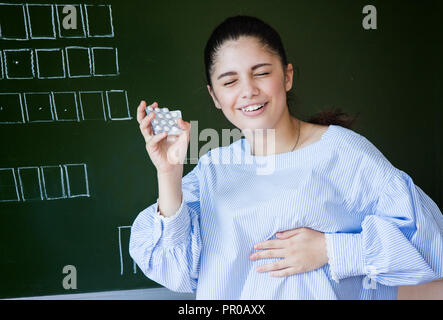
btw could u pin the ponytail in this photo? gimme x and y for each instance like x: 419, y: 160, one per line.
x: 334, y: 116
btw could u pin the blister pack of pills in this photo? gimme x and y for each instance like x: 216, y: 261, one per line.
x: 165, y: 120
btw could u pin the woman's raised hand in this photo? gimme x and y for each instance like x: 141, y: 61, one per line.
x: 166, y: 154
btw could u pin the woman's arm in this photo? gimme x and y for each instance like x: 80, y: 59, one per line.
x: 401, y: 243
x: 169, y: 192
x: 165, y: 237
x: 167, y: 249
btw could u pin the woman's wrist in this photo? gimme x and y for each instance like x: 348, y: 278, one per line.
x: 169, y: 191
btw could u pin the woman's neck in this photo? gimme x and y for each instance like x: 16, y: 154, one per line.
x: 280, y: 139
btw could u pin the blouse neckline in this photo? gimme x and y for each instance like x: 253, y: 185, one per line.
x: 307, y: 153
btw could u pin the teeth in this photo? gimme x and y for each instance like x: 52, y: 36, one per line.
x: 252, y: 108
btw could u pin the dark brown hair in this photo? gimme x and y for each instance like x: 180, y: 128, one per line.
x: 235, y: 27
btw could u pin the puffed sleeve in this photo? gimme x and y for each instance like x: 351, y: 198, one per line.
x: 167, y: 249
x: 400, y: 243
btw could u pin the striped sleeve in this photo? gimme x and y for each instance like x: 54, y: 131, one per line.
x: 401, y: 243
x: 167, y: 249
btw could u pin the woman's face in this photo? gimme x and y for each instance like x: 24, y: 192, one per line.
x: 246, y: 74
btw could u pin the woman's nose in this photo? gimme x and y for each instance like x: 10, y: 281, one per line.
x: 250, y: 89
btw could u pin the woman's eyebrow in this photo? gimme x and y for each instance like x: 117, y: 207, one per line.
x: 231, y: 73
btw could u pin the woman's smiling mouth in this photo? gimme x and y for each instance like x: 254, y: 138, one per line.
x: 254, y: 109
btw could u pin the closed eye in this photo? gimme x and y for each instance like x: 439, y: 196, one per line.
x: 228, y: 83
x: 258, y: 74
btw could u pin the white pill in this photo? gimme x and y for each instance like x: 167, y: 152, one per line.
x: 166, y: 128
x: 155, y: 121
x: 163, y: 122
x: 150, y: 108
x: 171, y: 122
x: 168, y: 116
x: 165, y: 109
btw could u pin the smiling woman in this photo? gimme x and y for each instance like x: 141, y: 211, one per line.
x: 334, y: 219
x: 249, y: 79
x: 267, y: 38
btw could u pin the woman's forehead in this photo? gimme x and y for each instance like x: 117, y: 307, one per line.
x: 244, y: 52
x: 242, y: 45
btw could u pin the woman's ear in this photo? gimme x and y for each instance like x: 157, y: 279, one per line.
x: 214, y: 98
x: 289, y: 74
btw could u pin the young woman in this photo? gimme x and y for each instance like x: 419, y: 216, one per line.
x: 334, y: 219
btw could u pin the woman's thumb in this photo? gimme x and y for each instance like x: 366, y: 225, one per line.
x: 183, y: 124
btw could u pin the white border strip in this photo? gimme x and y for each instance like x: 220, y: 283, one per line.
x: 137, y: 294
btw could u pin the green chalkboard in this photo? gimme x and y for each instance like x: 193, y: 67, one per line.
x: 74, y: 172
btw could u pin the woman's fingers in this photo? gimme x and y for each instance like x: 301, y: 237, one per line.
x: 284, y: 272
x: 288, y: 233
x: 276, y: 265
x: 141, y: 112
x: 275, y: 253
x: 145, y: 126
x: 152, y: 139
x: 182, y: 124
x: 186, y: 127
x: 270, y: 244
x: 156, y: 139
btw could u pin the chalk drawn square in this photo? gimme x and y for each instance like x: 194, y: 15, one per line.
x: 13, y: 25
x: 19, y: 63
x: 11, y: 110
x: 41, y: 21
x: 38, y: 107
x: 76, y: 28
x: 30, y: 183
x: 77, y: 180
x: 91, y: 105
x: 1, y: 66
x: 127, y: 264
x: 99, y: 21
x: 104, y: 61
x: 78, y: 62
x: 65, y: 106
x: 8, y: 185
x: 118, y: 106
x: 53, y: 182
x: 50, y: 63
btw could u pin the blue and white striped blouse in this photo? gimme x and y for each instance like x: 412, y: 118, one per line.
x: 382, y: 231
